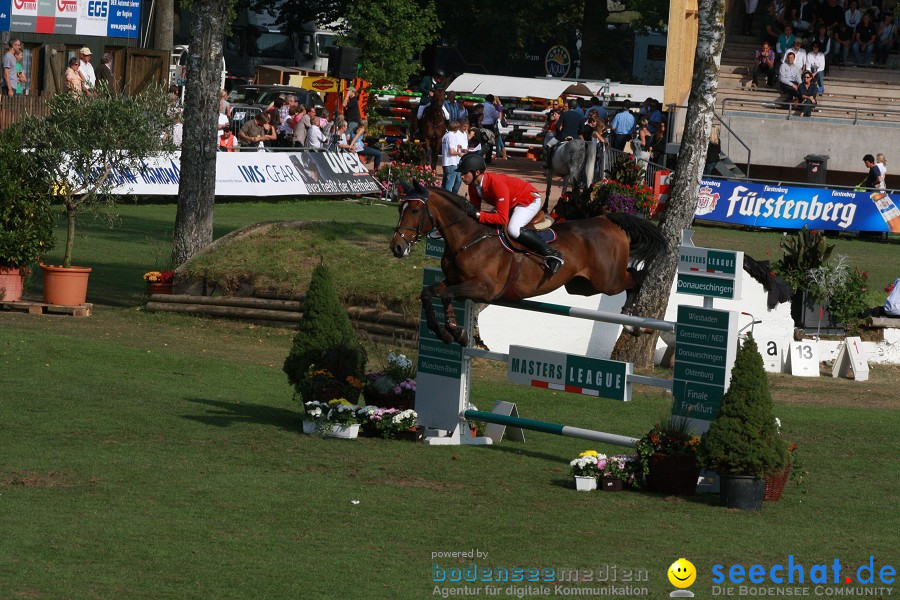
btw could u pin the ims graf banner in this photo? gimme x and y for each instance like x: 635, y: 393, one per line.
x: 792, y: 207
x: 256, y: 174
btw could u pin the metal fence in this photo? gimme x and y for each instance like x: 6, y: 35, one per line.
x: 611, y: 156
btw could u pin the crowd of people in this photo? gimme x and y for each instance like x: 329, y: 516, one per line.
x: 802, y: 39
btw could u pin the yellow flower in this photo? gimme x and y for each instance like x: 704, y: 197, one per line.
x: 593, y: 453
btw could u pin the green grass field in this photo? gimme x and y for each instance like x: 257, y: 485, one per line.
x: 159, y: 456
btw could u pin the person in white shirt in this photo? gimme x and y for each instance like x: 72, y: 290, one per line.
x: 315, y: 138
x: 86, y: 69
x: 815, y: 64
x: 789, y: 78
x: 881, y: 163
x: 799, y: 53
x: 452, y: 148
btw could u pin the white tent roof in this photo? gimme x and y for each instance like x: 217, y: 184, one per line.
x: 516, y: 87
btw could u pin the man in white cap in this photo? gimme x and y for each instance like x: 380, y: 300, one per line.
x: 86, y: 69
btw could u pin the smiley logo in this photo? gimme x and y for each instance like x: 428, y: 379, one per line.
x: 682, y: 573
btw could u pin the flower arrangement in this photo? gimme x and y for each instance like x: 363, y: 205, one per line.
x: 841, y: 289
x: 314, y: 411
x: 387, y: 422
x: 621, y: 466
x: 616, y: 196
x: 393, y: 172
x: 395, y: 385
x: 408, y: 151
x: 587, y: 464
x: 159, y: 276
x: 672, y: 437
x: 342, y: 412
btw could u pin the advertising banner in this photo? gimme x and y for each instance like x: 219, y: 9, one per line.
x: 113, y: 18
x: 793, y: 206
x: 257, y: 174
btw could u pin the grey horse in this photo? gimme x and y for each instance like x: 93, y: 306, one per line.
x: 574, y: 161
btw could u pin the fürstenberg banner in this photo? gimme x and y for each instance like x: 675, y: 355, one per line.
x: 112, y: 18
x: 257, y: 174
x: 792, y: 207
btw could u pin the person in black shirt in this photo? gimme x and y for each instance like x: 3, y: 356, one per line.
x: 351, y: 109
x: 864, y: 40
x: 874, y: 174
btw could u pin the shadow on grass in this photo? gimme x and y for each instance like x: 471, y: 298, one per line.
x: 554, y: 458
x: 232, y: 413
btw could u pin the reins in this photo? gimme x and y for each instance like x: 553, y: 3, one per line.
x: 435, y: 227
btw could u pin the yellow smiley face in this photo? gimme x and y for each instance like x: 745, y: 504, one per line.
x: 682, y: 573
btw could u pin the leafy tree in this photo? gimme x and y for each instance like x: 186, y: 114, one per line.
x: 325, y: 341
x: 83, y: 145
x: 653, y: 296
x: 743, y: 439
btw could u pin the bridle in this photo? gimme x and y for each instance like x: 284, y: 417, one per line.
x: 419, y: 226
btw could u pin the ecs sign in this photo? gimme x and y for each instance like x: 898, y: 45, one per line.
x: 96, y: 9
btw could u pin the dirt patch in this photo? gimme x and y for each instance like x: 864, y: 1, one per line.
x: 52, y: 479
x: 878, y: 392
x: 419, y: 482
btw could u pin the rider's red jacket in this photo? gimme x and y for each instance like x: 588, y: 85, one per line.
x: 502, y: 192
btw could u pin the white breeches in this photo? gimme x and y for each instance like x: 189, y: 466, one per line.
x: 522, y: 216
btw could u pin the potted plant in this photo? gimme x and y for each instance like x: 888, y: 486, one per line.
x: 742, y: 444
x: 618, y: 472
x: 840, y: 291
x: 84, y: 149
x: 326, y: 360
x: 394, y: 386
x: 314, y: 414
x: 668, y: 457
x: 159, y: 282
x: 803, y: 252
x: 585, y: 470
x: 341, y: 420
x: 26, y: 215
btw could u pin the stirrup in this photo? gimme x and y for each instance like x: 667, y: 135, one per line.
x: 553, y: 262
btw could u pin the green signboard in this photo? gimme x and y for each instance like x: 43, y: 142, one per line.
x: 434, y: 247
x: 709, y: 272
x: 569, y: 373
x: 698, y: 285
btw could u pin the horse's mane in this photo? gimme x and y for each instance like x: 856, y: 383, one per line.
x: 457, y: 200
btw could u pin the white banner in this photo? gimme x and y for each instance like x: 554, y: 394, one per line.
x: 257, y: 174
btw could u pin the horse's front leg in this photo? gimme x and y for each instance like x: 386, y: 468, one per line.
x: 468, y: 290
x: 431, y: 319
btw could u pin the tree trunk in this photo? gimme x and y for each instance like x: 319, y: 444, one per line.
x: 163, y: 28
x: 593, y: 30
x: 654, y: 294
x: 70, y: 235
x: 197, y: 189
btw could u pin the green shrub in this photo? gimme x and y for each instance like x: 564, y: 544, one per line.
x: 326, y: 360
x: 743, y: 439
x: 802, y: 252
x: 26, y: 215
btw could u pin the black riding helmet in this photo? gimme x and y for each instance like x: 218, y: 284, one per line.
x: 471, y: 162
x: 439, y: 72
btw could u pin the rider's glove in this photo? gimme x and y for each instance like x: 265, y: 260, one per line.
x: 478, y: 215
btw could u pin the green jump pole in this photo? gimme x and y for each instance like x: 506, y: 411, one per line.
x: 592, y: 315
x: 587, y: 434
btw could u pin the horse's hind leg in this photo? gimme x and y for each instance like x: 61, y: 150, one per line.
x: 431, y: 320
x: 637, y: 279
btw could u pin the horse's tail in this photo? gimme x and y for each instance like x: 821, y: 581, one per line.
x: 590, y: 162
x: 646, y: 240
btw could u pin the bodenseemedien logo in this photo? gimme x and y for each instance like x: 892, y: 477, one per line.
x: 682, y: 575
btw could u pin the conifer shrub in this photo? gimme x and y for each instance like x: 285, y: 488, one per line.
x: 743, y: 439
x: 326, y: 360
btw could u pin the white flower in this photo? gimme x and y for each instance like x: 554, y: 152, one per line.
x: 778, y: 424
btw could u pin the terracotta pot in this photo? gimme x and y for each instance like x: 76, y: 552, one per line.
x: 10, y: 284
x: 159, y: 288
x: 65, y: 286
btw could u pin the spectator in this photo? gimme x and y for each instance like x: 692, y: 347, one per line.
x: 622, y: 126
x: 224, y: 105
x: 228, y: 142
x: 177, y: 129
x: 87, y: 69
x: 105, y: 77
x: 9, y: 80
x: 844, y: 41
x: 806, y: 92
x: 785, y: 43
x: 360, y: 146
x: 641, y: 142
x: 339, y: 140
x: 256, y: 133
x: 351, y: 109
x: 315, y: 137
x: 222, y: 124
x: 799, y: 53
x: 455, y: 109
x: 887, y: 33
x: 789, y: 78
x: 472, y: 141
x: 285, y: 128
x: 654, y: 117
x: 852, y: 16
x: 771, y: 28
x: 881, y: 163
x: 873, y: 174
x: 803, y: 17
x: 303, y: 126
x: 823, y: 39
x: 749, y: 11
x: 21, y: 79
x: 452, y: 149
x: 326, y: 122
x: 74, y: 79
x: 864, y: 41
x: 831, y: 14
x: 764, y: 63
x: 815, y: 64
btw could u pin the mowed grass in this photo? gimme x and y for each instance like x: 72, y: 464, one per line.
x: 159, y: 456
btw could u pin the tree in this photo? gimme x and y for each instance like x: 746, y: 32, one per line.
x: 163, y: 29
x: 654, y: 293
x: 389, y: 33
x: 85, y: 146
x: 197, y: 187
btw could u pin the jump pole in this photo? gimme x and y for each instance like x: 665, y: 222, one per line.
x: 564, y: 430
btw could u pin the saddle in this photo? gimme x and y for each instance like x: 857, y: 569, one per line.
x: 514, y: 247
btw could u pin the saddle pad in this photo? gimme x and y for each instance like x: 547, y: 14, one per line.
x: 548, y: 235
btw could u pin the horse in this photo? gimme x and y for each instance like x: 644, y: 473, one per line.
x: 476, y: 267
x: 572, y: 160
x: 433, y: 126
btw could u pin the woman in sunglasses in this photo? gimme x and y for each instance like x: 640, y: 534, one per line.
x: 807, y: 91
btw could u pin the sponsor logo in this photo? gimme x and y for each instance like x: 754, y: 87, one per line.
x: 706, y: 201
x: 322, y: 84
x: 67, y: 5
x: 558, y: 61
x: 25, y: 4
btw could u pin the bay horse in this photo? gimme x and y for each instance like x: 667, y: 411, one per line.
x: 572, y: 160
x: 476, y: 267
x: 432, y: 127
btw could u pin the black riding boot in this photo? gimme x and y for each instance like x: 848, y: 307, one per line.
x: 531, y: 239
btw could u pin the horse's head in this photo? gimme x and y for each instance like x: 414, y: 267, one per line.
x: 439, y: 96
x: 415, y: 221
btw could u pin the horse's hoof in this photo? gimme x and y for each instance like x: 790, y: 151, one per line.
x: 445, y: 336
x: 463, y: 339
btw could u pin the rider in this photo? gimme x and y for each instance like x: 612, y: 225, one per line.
x: 516, y: 201
x: 427, y: 87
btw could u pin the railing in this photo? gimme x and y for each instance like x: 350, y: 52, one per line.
x: 673, y: 109
x: 15, y: 108
x: 611, y: 155
x: 824, y: 110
